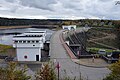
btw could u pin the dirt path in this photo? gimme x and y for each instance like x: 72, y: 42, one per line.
x: 112, y: 36
x: 104, y: 45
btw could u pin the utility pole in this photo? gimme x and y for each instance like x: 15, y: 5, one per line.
x: 58, y: 67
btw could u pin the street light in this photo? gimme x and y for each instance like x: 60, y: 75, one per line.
x: 85, y: 38
x: 58, y: 67
x: 79, y: 51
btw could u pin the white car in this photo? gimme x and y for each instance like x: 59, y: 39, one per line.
x: 101, y: 51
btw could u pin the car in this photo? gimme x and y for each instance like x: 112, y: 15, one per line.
x: 101, y: 51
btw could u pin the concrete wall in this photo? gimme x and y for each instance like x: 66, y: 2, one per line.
x: 33, y: 45
x: 29, y: 52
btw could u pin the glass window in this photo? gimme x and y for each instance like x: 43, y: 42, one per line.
x: 20, y: 41
x: 24, y: 41
x: 33, y: 41
x: 37, y: 41
x: 25, y: 57
x: 28, y: 41
x: 16, y: 41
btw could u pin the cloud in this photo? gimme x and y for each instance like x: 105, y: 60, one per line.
x: 40, y: 4
x: 11, y: 1
x: 72, y: 9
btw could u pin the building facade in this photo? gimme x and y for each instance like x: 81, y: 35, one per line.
x: 69, y: 27
x: 28, y: 45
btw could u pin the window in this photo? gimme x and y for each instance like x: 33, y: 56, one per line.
x: 24, y: 41
x: 25, y: 57
x: 28, y: 41
x: 33, y: 41
x: 37, y: 41
x: 20, y: 41
x: 15, y: 41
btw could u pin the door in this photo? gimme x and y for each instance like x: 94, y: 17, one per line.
x: 37, y: 57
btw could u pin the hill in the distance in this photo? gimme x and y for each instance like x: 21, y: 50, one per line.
x: 59, y: 22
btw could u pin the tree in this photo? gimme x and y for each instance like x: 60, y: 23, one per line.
x: 115, y: 72
x: 12, y: 72
x: 46, y: 73
x: 117, y: 32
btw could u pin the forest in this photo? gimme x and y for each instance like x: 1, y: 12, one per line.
x: 59, y: 22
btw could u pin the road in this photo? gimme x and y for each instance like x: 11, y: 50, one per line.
x: 68, y: 67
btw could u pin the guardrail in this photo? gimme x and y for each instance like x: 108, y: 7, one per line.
x: 110, y: 60
x: 70, y: 53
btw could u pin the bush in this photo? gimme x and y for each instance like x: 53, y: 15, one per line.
x: 3, y: 48
x: 46, y: 72
x: 12, y: 72
x: 115, y: 72
x: 93, y: 50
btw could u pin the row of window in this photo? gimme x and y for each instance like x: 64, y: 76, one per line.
x: 34, y: 35
x: 27, y: 41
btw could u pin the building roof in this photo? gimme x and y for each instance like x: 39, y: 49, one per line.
x: 34, y: 35
x: 38, y: 31
x: 28, y: 36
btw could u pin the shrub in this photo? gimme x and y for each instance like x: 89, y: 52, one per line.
x: 12, y: 72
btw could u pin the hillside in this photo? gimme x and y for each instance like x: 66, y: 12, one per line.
x: 59, y: 22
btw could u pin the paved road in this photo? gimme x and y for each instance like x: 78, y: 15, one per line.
x: 68, y: 67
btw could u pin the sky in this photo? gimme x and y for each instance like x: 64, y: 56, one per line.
x: 60, y: 9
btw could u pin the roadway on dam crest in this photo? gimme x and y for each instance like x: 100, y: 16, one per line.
x: 70, y: 68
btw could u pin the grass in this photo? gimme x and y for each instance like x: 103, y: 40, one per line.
x: 95, y: 33
x: 95, y: 50
x: 4, y: 48
x: 108, y: 41
x: 91, y: 44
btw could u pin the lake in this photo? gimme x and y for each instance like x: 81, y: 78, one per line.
x: 6, y: 35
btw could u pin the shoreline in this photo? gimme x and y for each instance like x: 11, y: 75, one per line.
x: 29, y: 26
x: 13, y: 27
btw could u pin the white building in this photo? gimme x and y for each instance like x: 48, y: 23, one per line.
x: 69, y: 27
x: 28, y: 45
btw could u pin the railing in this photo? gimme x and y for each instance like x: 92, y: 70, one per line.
x: 110, y: 60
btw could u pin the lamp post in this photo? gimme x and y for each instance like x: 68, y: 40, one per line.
x: 85, y: 38
x: 58, y: 68
x: 79, y: 51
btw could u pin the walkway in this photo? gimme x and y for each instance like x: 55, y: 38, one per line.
x: 96, y: 63
x: 70, y: 68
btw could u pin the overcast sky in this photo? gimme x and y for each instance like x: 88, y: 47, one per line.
x: 65, y: 9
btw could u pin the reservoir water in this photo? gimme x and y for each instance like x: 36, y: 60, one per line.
x: 6, y: 35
